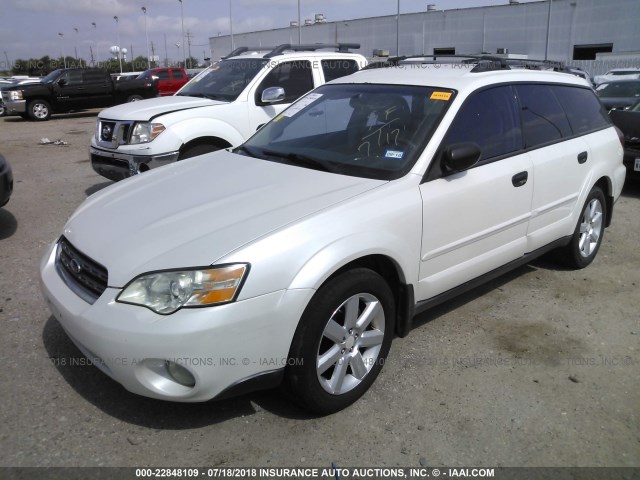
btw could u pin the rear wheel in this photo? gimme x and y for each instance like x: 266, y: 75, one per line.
x: 587, y: 237
x: 39, y: 110
x: 341, y: 342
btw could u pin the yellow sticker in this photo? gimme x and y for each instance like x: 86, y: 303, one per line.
x: 440, y: 96
x: 278, y: 118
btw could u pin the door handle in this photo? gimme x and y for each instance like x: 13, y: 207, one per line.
x: 582, y: 157
x: 519, y: 179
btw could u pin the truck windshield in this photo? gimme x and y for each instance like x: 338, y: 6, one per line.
x: 364, y: 130
x: 225, y: 80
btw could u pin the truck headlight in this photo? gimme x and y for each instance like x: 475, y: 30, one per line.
x: 168, y: 291
x: 15, y: 95
x: 144, y: 132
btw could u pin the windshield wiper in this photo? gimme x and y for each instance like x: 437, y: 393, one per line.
x: 300, y: 160
x: 247, y: 150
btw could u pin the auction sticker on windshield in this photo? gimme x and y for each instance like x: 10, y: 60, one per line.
x: 302, y: 103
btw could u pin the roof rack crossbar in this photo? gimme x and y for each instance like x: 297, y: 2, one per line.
x: 241, y: 50
x: 340, y: 47
x: 486, y: 63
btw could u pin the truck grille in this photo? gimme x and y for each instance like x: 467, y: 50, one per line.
x: 87, y: 278
x: 111, y: 133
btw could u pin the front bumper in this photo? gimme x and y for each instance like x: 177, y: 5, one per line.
x: 118, y: 166
x: 15, y: 107
x: 220, y: 346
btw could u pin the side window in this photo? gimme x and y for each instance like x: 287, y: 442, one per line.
x: 95, y: 76
x: 584, y: 110
x: 295, y: 77
x: 543, y: 119
x: 73, y: 77
x: 333, y: 69
x: 177, y: 74
x: 489, y: 119
x: 162, y: 74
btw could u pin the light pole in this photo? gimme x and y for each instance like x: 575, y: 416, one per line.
x: 95, y: 28
x: 115, y: 17
x: 299, y: 26
x: 64, y: 59
x: 231, y: 26
x: 75, y: 47
x: 178, y: 45
x: 184, y: 56
x: 546, y: 46
x: 146, y: 32
x: 398, y: 30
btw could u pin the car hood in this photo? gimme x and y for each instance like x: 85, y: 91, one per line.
x: 145, y: 110
x: 194, y: 212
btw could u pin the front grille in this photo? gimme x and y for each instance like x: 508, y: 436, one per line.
x: 107, y: 130
x: 111, y: 133
x: 87, y: 278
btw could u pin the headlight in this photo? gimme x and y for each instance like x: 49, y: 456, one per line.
x: 15, y: 95
x: 168, y: 291
x: 144, y: 132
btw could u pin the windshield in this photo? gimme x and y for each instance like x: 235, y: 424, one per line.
x: 225, y: 80
x: 52, y: 76
x: 373, y: 131
x: 619, y: 89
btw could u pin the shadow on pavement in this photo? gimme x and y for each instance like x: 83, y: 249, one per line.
x: 8, y: 224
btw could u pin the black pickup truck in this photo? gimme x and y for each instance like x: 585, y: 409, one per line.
x: 68, y: 89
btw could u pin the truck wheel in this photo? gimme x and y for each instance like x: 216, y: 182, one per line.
x: 39, y: 110
x: 198, y: 150
x: 134, y: 98
x: 3, y: 111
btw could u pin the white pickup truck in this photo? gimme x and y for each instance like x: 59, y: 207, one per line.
x: 219, y: 108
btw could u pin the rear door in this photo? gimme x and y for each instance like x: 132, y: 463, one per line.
x: 476, y: 220
x: 178, y: 79
x: 97, y: 88
x: 555, y: 119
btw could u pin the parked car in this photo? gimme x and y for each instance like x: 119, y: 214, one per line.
x: 619, y: 95
x: 616, y: 74
x: 220, y: 108
x: 68, y: 89
x: 628, y: 121
x: 6, y: 181
x: 169, y: 80
x: 297, y: 256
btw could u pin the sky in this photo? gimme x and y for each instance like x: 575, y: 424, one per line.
x: 34, y: 28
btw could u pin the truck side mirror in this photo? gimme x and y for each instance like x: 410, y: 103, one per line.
x: 272, y: 95
x: 460, y: 156
x: 62, y: 82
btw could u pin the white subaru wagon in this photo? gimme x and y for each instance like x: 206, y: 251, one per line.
x: 295, y: 258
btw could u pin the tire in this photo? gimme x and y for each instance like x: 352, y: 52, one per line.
x: 134, y: 98
x: 39, y: 110
x: 334, y: 358
x: 587, y: 237
x: 198, y: 150
x: 3, y: 111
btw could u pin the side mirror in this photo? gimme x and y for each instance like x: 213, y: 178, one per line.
x: 272, y: 95
x: 460, y: 156
x: 62, y: 82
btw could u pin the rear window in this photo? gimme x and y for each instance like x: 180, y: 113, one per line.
x: 583, y: 109
x: 543, y: 118
x: 333, y: 69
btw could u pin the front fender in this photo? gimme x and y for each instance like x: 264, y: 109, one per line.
x: 194, y: 128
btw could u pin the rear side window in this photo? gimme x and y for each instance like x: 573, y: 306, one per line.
x: 333, y: 69
x: 489, y: 119
x: 543, y: 118
x: 94, y: 76
x: 177, y: 74
x: 584, y: 110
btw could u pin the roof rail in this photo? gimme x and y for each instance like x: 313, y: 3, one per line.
x: 485, y: 63
x: 241, y: 50
x: 340, y: 47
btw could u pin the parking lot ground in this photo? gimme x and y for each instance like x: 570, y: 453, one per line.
x: 538, y: 368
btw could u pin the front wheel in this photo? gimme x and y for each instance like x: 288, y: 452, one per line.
x: 196, y: 150
x: 341, y: 342
x: 39, y: 110
x: 587, y: 237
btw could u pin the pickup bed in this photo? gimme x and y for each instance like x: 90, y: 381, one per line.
x: 168, y: 80
x: 68, y: 89
x: 221, y: 107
